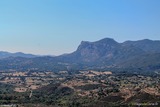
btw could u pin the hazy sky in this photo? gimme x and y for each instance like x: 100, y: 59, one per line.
x: 58, y: 26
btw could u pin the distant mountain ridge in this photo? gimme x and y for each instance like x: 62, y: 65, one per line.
x: 103, y: 54
x: 146, y: 45
x: 107, y: 53
x: 4, y: 54
x: 106, y: 50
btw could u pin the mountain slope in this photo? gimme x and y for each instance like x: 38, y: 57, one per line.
x: 146, y: 62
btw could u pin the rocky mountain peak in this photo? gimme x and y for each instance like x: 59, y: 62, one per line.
x: 107, y: 40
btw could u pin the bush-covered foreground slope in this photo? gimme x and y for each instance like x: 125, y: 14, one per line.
x: 80, y: 89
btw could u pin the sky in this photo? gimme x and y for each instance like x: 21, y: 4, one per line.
x: 55, y: 27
